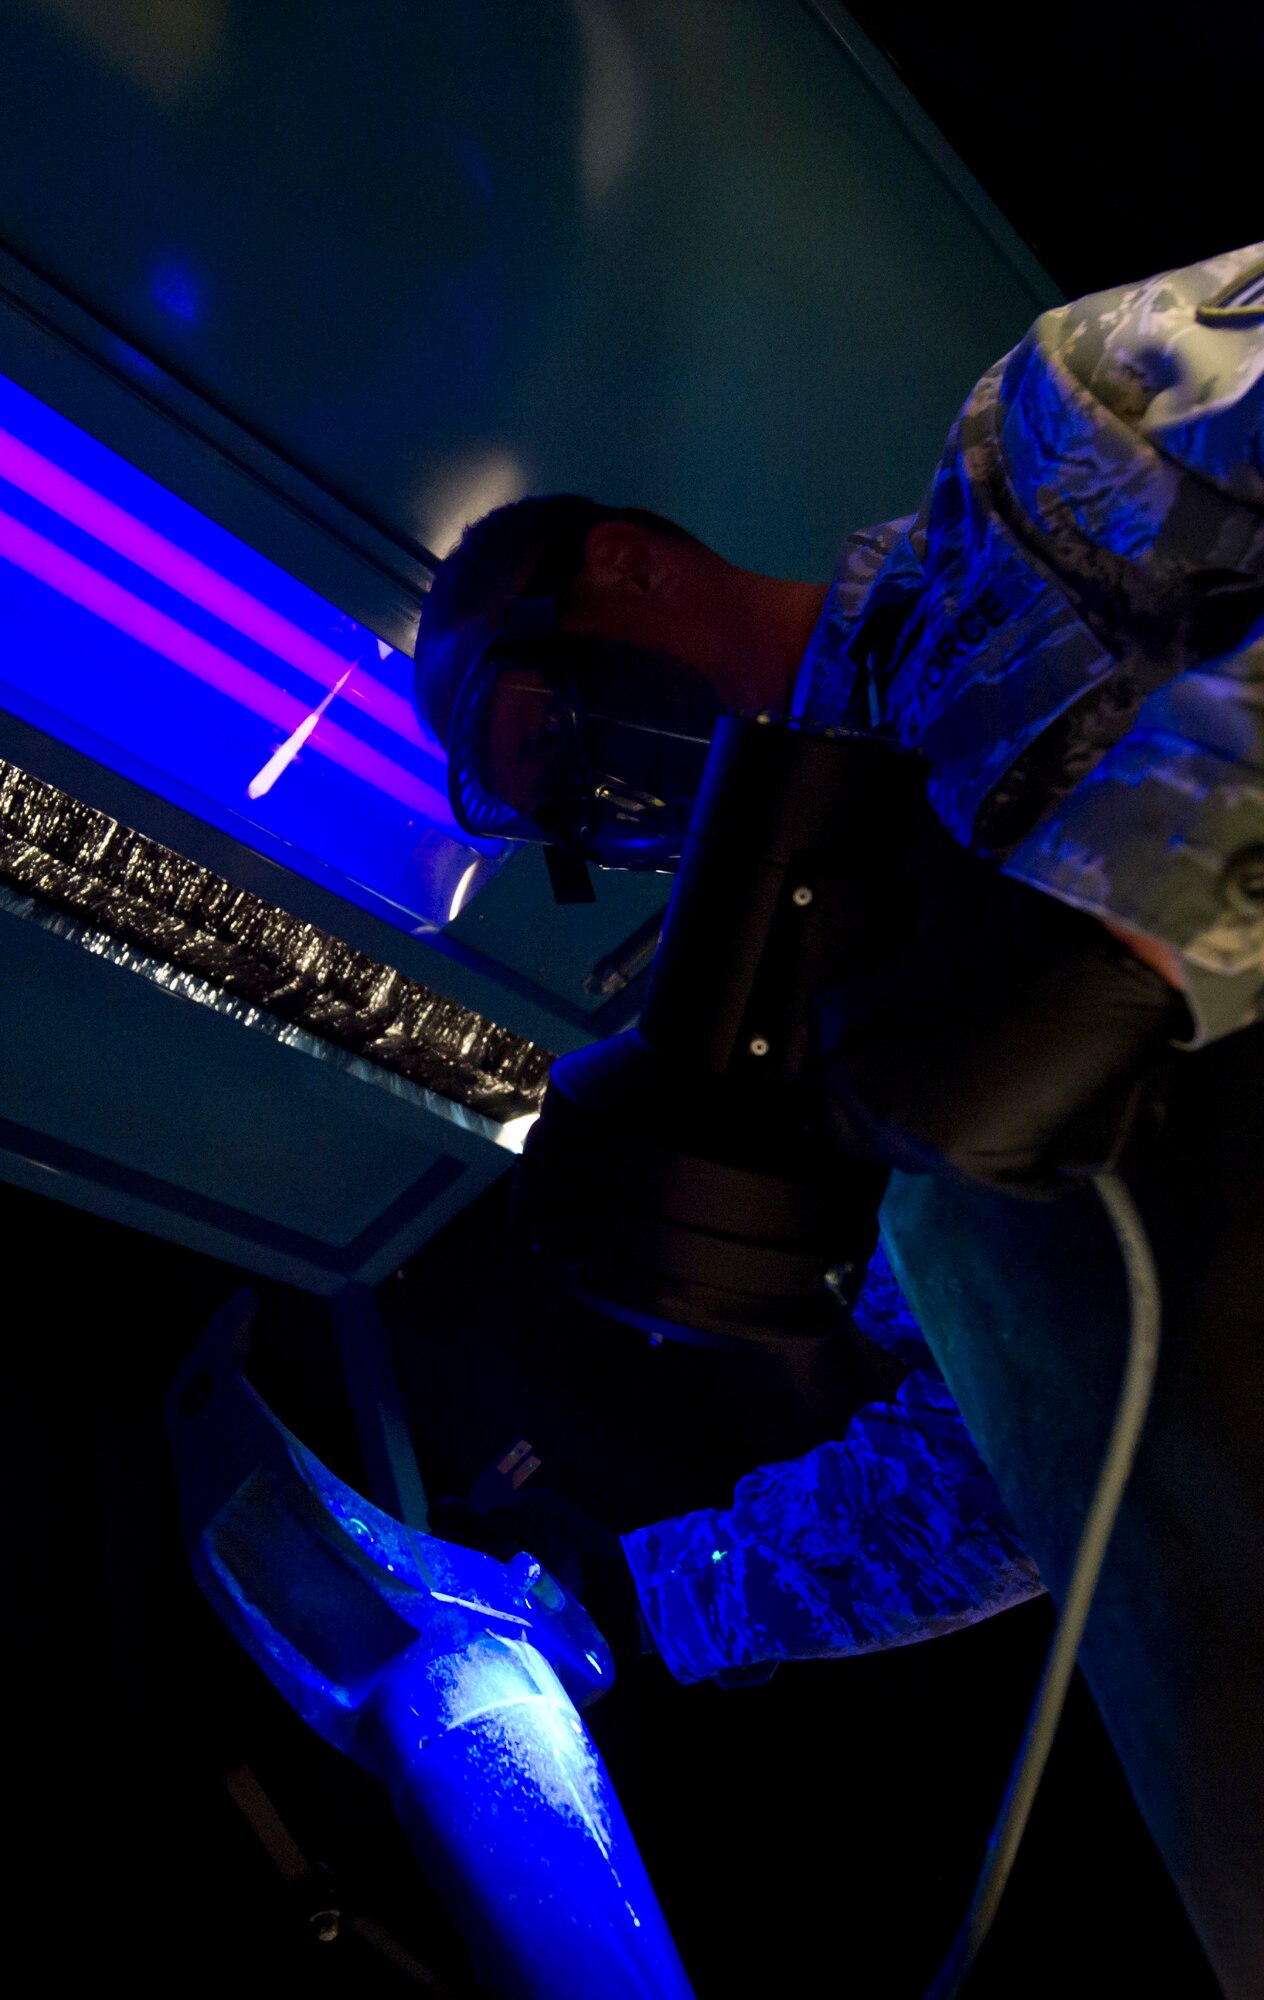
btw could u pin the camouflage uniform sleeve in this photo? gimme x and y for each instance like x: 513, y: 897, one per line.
x: 1143, y: 412
x: 1166, y: 835
x: 895, y: 1534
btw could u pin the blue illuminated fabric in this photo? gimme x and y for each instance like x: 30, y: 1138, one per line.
x: 894, y: 1534
x: 1072, y: 627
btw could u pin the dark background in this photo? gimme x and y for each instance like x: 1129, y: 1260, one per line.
x: 1118, y: 139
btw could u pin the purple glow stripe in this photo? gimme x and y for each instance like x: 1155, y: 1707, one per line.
x: 65, y: 573
x: 127, y: 536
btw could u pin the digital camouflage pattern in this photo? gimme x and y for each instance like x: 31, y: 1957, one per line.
x: 892, y: 1535
x: 1071, y: 629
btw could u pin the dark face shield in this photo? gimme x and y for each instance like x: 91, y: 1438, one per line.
x: 587, y: 744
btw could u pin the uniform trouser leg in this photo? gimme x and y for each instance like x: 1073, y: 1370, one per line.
x: 1024, y: 1306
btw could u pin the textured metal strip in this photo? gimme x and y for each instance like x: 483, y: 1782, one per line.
x: 117, y: 893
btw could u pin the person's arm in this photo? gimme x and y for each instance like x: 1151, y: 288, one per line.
x: 893, y: 1535
x: 1164, y: 840
x: 1100, y: 509
x: 1130, y: 446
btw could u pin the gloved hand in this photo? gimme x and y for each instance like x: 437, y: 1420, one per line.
x: 583, y: 1554
x: 1006, y: 1042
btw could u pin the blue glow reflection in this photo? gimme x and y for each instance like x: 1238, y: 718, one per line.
x: 176, y: 289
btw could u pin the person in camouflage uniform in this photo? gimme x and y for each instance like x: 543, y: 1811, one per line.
x: 1071, y: 632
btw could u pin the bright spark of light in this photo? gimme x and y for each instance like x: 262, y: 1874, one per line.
x: 513, y: 1133
x: 284, y: 755
x: 460, y: 895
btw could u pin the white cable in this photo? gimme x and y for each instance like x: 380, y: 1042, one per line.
x: 1131, y: 1409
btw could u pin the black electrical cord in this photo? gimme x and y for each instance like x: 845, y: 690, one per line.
x: 1131, y: 1410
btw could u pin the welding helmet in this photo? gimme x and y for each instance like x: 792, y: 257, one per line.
x: 585, y: 744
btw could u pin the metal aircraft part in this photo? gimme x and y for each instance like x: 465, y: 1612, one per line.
x: 226, y: 947
x: 453, y: 1678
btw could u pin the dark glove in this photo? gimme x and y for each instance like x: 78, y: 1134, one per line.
x: 1006, y: 1042
x: 583, y: 1554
